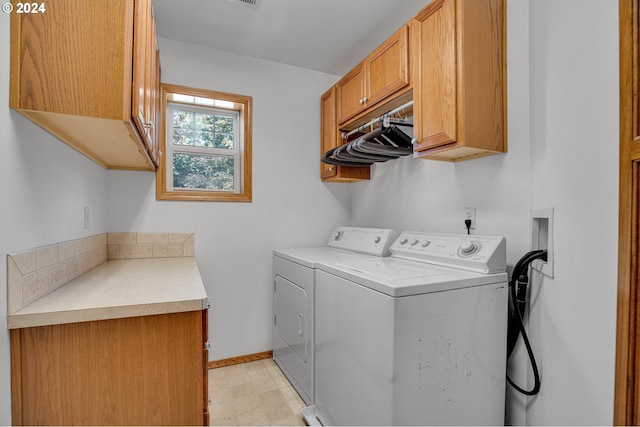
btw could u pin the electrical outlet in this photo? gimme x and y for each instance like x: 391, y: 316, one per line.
x: 470, y: 213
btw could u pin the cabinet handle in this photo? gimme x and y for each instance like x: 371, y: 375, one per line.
x: 364, y: 100
x: 330, y: 168
x: 361, y: 101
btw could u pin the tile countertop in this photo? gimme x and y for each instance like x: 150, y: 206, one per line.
x: 117, y: 289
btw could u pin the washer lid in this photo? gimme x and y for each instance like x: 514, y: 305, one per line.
x: 343, y: 240
x: 399, y: 278
x: 309, y: 257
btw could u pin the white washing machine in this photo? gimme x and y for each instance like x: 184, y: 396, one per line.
x: 418, y: 338
x: 293, y: 297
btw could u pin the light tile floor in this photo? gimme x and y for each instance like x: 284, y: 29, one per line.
x: 253, y: 394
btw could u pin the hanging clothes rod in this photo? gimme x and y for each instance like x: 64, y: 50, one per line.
x: 377, y: 119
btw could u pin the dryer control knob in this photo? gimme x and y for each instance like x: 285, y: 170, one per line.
x: 404, y: 241
x: 338, y: 235
x: 468, y: 248
x: 425, y: 243
x: 377, y: 239
x: 414, y: 242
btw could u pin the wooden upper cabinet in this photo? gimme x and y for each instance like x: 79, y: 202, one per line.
x: 329, y: 134
x: 351, y: 93
x: 330, y: 137
x: 381, y: 74
x: 459, y: 89
x: 435, y: 116
x: 145, y: 93
x: 72, y: 73
x: 141, y: 36
x: 387, y: 68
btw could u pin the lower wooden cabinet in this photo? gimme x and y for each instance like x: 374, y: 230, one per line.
x: 148, y: 370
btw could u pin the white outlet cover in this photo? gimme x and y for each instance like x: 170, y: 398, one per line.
x: 470, y: 213
x: 539, y: 219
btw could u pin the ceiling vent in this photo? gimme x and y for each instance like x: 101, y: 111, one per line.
x: 252, y: 3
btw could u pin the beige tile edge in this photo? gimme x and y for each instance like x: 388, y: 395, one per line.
x: 150, y: 245
x: 14, y: 286
x: 46, y: 268
x: 36, y: 272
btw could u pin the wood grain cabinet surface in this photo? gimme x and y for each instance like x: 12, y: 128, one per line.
x: 147, y: 370
x: 86, y: 71
x: 146, y: 77
x: 450, y: 60
x: 459, y: 89
x: 384, y: 72
x: 330, y: 137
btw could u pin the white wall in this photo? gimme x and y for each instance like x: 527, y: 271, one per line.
x: 574, y: 159
x: 563, y: 153
x: 44, y: 186
x: 290, y: 207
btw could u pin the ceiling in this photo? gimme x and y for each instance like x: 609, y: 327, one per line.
x: 331, y: 36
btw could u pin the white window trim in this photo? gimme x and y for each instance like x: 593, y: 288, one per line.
x: 236, y: 153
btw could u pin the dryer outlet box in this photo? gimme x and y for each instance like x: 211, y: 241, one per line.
x: 542, y: 238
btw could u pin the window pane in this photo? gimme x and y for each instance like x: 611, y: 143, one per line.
x: 204, y: 121
x: 185, y: 137
x: 224, y: 140
x: 183, y: 119
x: 205, y: 139
x: 202, y: 172
x: 224, y: 124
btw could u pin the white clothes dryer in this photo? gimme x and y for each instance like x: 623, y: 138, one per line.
x: 293, y: 297
x: 418, y: 338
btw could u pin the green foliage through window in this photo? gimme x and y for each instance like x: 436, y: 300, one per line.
x: 196, y: 171
x: 206, y: 144
x: 195, y: 129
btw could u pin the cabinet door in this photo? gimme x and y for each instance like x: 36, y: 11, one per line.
x: 435, y: 92
x: 159, y: 105
x: 145, y: 370
x: 387, y: 68
x: 206, y: 418
x: 350, y: 94
x: 330, y: 137
x: 329, y: 134
x: 142, y: 16
x: 151, y: 94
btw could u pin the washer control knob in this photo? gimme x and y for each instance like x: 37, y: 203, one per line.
x: 414, y: 242
x: 425, y: 243
x: 468, y: 248
x: 404, y: 241
x: 338, y: 235
x: 377, y: 239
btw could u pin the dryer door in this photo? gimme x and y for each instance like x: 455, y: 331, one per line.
x: 291, y: 316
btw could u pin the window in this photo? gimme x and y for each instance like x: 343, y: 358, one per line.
x: 207, y: 146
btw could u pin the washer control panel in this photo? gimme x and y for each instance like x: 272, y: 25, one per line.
x: 372, y: 241
x: 485, y: 254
